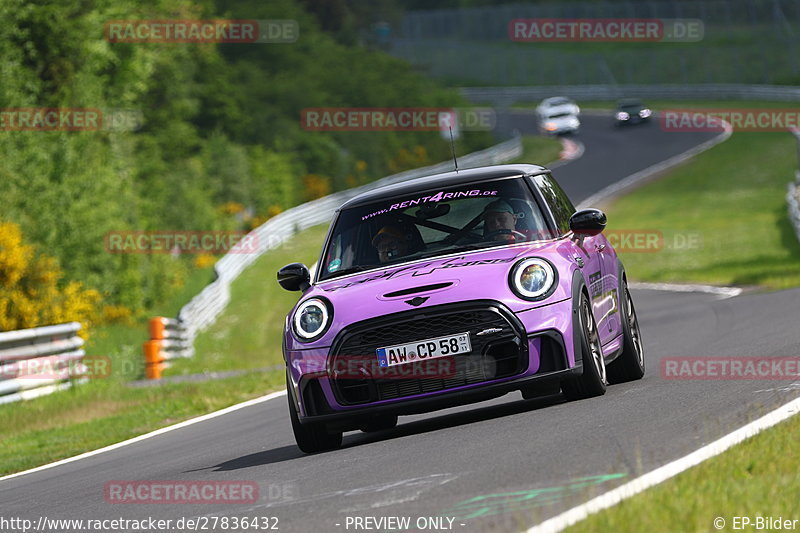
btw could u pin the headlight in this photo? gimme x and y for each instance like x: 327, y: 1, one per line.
x: 550, y: 126
x: 644, y: 113
x: 311, y: 319
x: 622, y: 115
x: 533, y: 278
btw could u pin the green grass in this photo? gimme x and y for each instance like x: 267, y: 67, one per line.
x: 122, y: 343
x: 248, y: 334
x: 105, y: 411
x: 98, y: 414
x: 539, y: 150
x: 755, y: 478
x: 731, y: 199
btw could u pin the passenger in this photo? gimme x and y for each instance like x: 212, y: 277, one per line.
x: 391, y: 242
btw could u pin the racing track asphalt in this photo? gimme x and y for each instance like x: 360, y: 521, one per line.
x: 501, y: 465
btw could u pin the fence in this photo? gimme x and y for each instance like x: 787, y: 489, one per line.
x: 38, y: 361
x: 746, y: 41
x: 204, y: 308
x: 793, y: 194
x: 507, y: 96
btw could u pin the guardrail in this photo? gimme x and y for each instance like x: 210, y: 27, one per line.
x: 793, y: 194
x: 507, y: 96
x: 168, y: 340
x: 38, y: 361
x: 204, y: 308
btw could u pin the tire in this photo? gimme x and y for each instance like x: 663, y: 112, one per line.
x: 311, y: 438
x: 379, y: 423
x: 629, y: 365
x: 593, y: 380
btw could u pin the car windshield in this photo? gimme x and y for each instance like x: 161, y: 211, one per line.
x: 558, y: 101
x: 631, y: 105
x: 432, y: 223
x: 560, y: 115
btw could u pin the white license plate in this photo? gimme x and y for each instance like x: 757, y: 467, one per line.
x: 424, y: 350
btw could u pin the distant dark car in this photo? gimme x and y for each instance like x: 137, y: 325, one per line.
x: 631, y: 112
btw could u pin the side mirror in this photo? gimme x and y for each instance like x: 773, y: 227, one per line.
x: 587, y: 222
x: 294, y: 277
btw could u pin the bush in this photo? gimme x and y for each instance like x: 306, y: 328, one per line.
x: 31, y: 294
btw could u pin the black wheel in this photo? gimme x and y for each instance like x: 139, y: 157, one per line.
x: 311, y: 438
x: 379, y: 423
x: 630, y: 363
x: 593, y: 381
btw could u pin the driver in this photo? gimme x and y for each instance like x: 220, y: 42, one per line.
x: 391, y: 242
x: 500, y: 222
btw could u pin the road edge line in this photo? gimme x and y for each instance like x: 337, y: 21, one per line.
x: 725, y: 292
x: 145, y: 436
x: 665, y: 472
x: 618, y: 187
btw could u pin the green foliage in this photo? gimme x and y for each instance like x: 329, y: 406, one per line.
x: 221, y: 123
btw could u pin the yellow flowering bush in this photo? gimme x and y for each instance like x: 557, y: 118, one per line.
x: 204, y: 260
x: 316, y: 186
x: 30, y: 292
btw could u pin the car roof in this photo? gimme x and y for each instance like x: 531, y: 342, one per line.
x: 447, y: 179
x: 557, y: 99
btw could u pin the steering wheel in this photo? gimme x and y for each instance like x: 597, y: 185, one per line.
x: 514, y: 233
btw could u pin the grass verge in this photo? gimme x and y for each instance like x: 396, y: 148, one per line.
x: 722, y: 218
x: 539, y: 150
x: 754, y: 478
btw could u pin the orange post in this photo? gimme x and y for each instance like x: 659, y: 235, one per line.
x: 154, y: 364
x: 157, y: 324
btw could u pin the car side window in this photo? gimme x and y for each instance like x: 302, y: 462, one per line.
x: 557, y: 199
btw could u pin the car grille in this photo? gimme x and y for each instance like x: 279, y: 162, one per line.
x: 494, y: 355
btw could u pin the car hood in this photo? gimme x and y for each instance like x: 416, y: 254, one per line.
x: 475, y: 275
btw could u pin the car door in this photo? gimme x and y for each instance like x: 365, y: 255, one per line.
x: 607, y: 298
x: 589, y: 253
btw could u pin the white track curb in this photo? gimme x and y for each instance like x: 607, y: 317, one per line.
x: 152, y: 434
x: 614, y: 496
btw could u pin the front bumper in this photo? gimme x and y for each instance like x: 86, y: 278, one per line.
x: 542, y: 334
x: 353, y: 418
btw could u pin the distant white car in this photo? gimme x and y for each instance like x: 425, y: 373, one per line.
x: 557, y: 104
x: 558, y: 115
